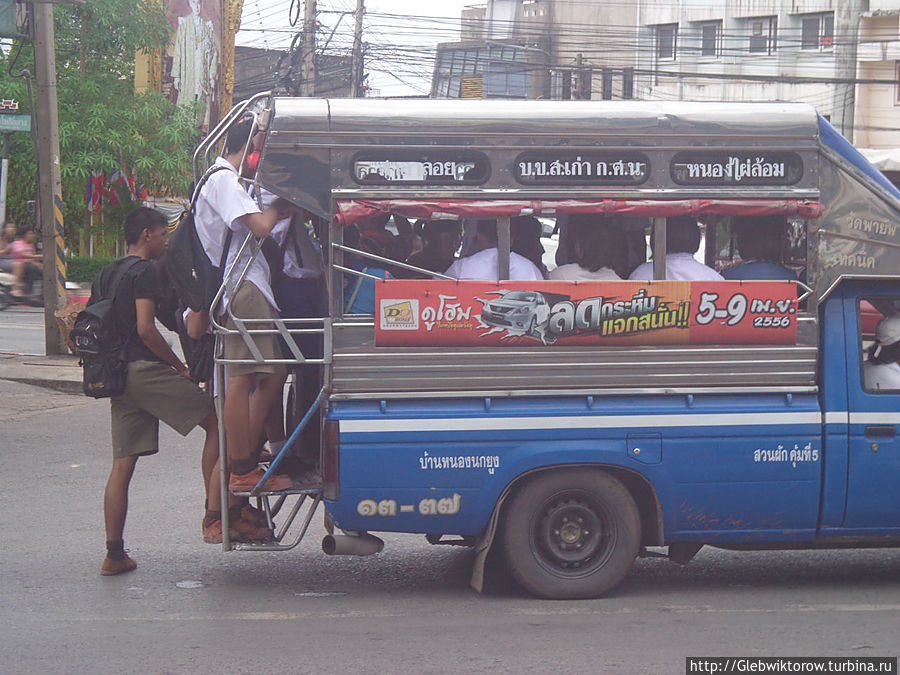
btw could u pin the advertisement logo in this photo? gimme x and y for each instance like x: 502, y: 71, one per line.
x: 399, y: 315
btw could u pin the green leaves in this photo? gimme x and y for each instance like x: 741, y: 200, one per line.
x: 103, y: 122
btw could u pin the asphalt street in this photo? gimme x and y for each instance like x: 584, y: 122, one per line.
x: 22, y: 330
x: 190, y: 608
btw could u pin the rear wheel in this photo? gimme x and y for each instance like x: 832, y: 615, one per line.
x: 572, y: 533
x: 5, y: 296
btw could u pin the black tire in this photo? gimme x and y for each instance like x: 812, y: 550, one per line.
x: 572, y: 533
x: 5, y: 296
x: 532, y: 327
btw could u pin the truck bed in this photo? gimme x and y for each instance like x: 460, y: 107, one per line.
x: 361, y: 370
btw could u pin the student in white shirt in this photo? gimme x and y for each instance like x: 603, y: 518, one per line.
x: 599, y: 250
x: 223, y: 203
x: 483, y: 265
x: 881, y: 372
x: 682, y: 242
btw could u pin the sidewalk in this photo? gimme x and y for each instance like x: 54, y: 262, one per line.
x: 61, y: 373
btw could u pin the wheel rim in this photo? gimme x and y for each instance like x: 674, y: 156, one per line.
x: 573, y: 534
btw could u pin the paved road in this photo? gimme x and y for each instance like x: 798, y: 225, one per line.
x: 22, y: 330
x: 189, y: 608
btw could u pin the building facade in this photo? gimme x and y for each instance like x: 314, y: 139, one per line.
x: 841, y: 56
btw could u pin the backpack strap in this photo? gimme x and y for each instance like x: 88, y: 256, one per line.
x: 116, y: 281
x: 119, y: 275
x: 200, y: 183
x: 226, y: 246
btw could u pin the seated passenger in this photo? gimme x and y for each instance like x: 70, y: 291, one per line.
x: 483, y: 264
x: 599, y: 250
x: 376, y: 228
x: 441, y: 239
x: 760, y: 241
x: 682, y: 242
x: 360, y: 294
x: 881, y: 372
x: 525, y: 239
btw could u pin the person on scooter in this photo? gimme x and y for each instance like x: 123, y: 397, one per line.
x: 26, y: 263
x: 6, y: 240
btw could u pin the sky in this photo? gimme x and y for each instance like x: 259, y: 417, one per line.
x: 400, y: 34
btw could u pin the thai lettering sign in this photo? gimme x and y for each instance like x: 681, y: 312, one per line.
x: 591, y: 168
x: 433, y: 168
x: 736, y: 168
x: 15, y: 122
x: 477, y: 313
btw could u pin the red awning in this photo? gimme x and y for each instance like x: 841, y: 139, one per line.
x: 351, y: 210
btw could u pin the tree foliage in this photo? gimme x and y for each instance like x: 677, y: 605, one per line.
x: 103, y: 123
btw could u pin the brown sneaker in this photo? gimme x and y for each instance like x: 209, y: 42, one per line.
x: 254, y: 516
x: 248, y: 532
x: 212, y: 532
x: 246, y: 482
x: 239, y: 530
x: 111, y: 567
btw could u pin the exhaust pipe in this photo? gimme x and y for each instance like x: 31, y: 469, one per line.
x: 352, y: 544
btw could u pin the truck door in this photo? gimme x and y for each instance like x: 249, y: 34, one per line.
x: 873, y: 480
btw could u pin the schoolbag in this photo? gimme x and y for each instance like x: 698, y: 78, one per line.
x: 98, y: 343
x: 199, y: 354
x: 195, y: 278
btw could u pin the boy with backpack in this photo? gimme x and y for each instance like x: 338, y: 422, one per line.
x: 157, y: 384
x: 223, y: 207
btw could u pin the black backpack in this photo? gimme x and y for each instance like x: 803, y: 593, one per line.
x: 195, y: 278
x: 98, y: 343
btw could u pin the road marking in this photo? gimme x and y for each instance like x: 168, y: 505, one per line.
x: 527, y: 611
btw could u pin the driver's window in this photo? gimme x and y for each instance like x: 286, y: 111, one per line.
x: 879, y: 344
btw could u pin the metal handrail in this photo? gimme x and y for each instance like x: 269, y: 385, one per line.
x: 387, y: 261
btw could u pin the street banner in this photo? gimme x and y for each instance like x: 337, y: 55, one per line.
x: 431, y: 313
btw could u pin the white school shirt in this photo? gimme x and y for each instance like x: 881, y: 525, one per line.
x: 679, y: 267
x: 311, y: 266
x: 483, y: 266
x: 881, y: 376
x: 223, y: 202
x: 575, y: 272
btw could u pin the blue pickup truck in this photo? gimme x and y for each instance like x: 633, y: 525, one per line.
x: 574, y: 455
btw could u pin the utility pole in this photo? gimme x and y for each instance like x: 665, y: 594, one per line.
x: 308, y: 53
x: 49, y: 184
x: 356, y: 71
x: 847, y: 16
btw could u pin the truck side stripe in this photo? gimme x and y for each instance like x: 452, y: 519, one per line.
x: 580, y: 422
x: 875, y: 418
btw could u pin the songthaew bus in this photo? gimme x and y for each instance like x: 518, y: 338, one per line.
x: 570, y: 426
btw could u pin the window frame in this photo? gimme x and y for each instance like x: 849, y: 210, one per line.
x: 716, y: 51
x: 658, y: 34
x: 897, y: 82
x: 863, y: 353
x: 768, y: 35
x: 824, y: 32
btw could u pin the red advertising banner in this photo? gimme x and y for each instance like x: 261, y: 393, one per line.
x: 534, y: 313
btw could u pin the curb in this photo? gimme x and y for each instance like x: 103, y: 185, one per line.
x: 59, y: 373
x: 63, y: 386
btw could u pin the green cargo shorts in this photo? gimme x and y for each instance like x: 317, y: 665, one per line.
x: 250, y: 303
x: 154, y: 392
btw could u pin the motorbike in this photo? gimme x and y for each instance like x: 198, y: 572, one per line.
x: 7, y: 299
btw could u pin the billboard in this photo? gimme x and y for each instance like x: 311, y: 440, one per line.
x: 192, y: 63
x: 479, y: 313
